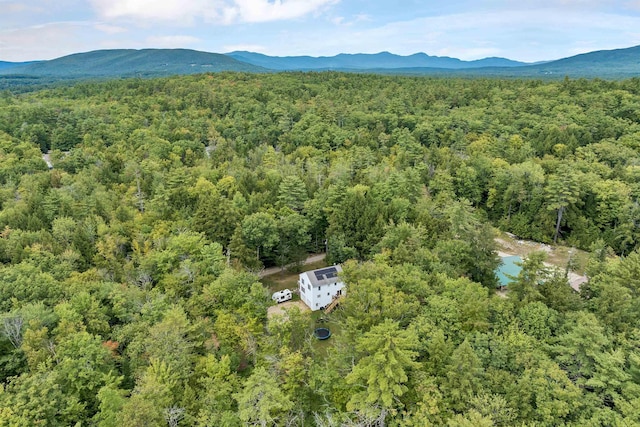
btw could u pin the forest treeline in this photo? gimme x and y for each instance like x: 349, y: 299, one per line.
x: 128, y: 290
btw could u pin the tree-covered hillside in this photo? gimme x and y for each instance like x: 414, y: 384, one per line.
x: 128, y: 293
x: 116, y: 63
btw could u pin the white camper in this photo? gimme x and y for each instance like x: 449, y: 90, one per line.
x: 282, y: 296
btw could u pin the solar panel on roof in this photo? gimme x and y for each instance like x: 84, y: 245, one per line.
x: 326, y: 273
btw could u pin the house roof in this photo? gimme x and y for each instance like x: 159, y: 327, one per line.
x: 324, y: 276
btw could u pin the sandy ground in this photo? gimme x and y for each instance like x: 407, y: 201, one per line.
x: 280, y: 308
x: 576, y: 280
x: 524, y: 247
x: 520, y: 246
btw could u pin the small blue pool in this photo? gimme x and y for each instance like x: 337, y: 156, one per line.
x: 509, y: 267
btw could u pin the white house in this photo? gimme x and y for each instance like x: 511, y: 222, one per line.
x: 318, y: 288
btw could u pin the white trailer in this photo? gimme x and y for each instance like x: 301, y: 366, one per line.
x: 282, y: 296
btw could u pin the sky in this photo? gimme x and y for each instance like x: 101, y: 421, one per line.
x: 524, y: 30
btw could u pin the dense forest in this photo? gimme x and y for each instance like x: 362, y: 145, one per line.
x: 128, y: 286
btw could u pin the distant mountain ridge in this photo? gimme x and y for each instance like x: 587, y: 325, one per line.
x: 117, y: 63
x: 623, y: 61
x: 5, y: 65
x: 364, y: 61
x: 132, y: 62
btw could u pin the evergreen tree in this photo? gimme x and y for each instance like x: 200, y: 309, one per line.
x: 562, y: 192
x: 380, y: 376
x: 262, y: 402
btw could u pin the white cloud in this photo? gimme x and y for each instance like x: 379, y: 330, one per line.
x: 353, y: 20
x: 221, y: 11
x: 175, y: 41
x: 20, y: 7
x: 528, y: 35
x: 180, y: 11
x: 46, y: 41
x: 527, y: 30
x: 264, y: 10
x: 362, y: 17
x: 634, y: 4
x: 110, y: 29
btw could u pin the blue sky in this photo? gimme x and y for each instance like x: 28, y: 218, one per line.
x: 526, y: 30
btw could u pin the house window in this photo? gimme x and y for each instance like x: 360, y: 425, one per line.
x: 328, y: 294
x: 318, y: 287
x: 302, y: 289
x: 309, y: 287
x: 316, y: 304
x: 319, y: 295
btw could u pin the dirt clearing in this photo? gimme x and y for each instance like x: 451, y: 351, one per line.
x: 279, y: 310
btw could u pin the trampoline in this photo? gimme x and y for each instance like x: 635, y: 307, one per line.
x: 322, y: 333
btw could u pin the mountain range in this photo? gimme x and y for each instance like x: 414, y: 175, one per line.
x: 618, y: 63
x: 131, y: 62
x: 363, y: 61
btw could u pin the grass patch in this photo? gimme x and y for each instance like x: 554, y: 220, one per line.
x: 288, y: 279
x: 321, y: 320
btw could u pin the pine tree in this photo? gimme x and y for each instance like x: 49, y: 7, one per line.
x: 292, y: 193
x: 261, y: 402
x: 562, y: 191
x: 381, y: 374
